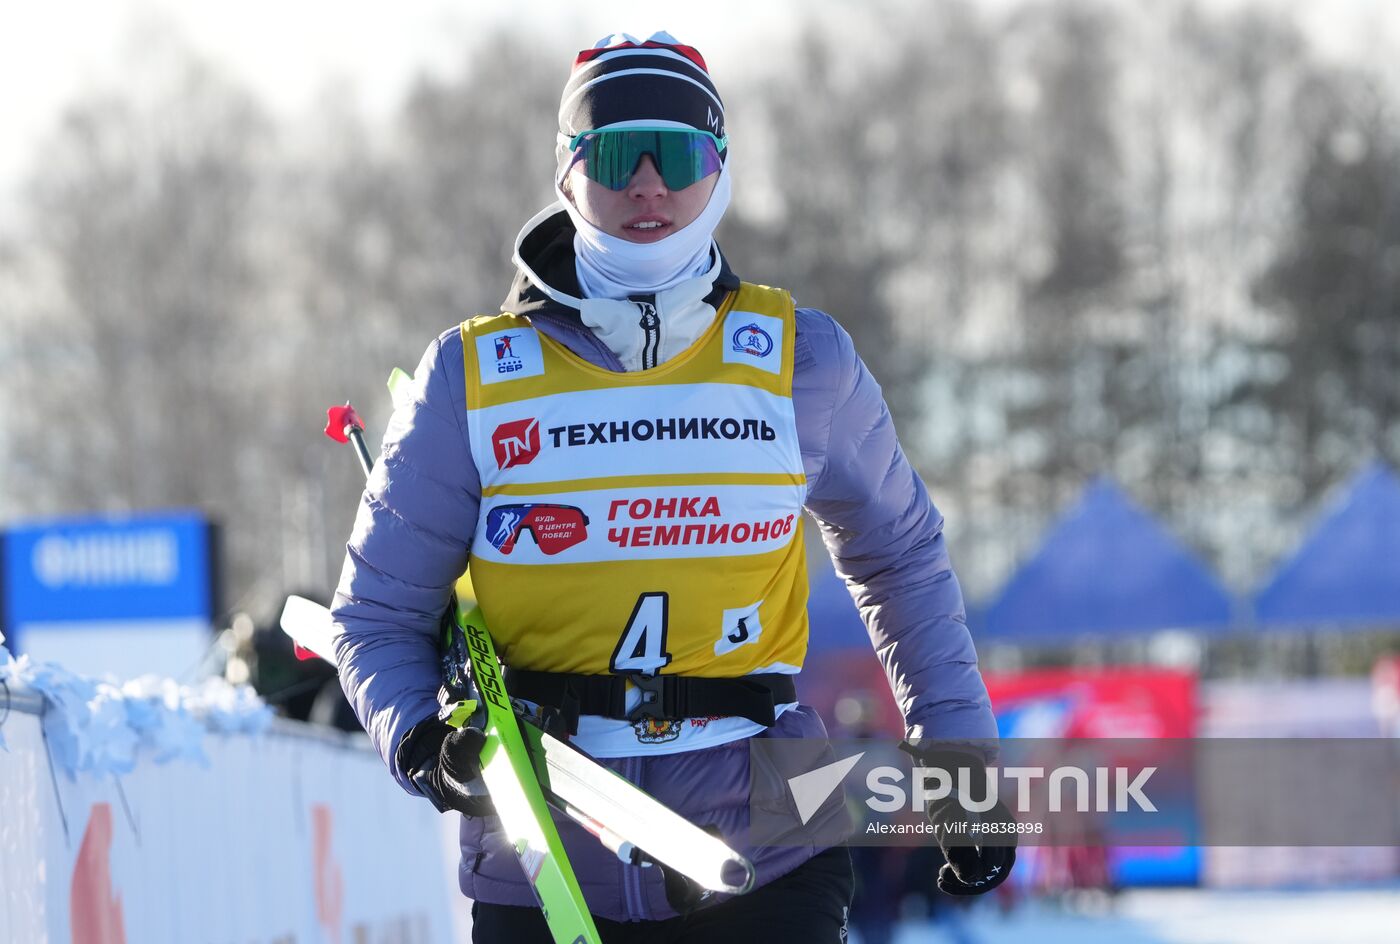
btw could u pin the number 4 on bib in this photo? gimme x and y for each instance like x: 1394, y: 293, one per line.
x: 642, y: 647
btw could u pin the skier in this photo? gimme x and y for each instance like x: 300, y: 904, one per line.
x: 689, y: 418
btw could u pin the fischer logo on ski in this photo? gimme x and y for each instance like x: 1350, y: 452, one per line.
x: 484, y: 667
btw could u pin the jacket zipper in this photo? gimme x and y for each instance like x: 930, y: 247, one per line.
x: 650, y: 323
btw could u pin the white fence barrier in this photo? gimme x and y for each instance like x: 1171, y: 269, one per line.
x: 288, y: 836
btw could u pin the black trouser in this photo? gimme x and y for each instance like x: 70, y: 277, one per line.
x: 809, y: 905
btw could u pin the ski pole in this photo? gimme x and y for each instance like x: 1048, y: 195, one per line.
x: 344, y: 425
x: 506, y: 766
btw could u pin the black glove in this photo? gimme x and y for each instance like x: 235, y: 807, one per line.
x: 978, y: 859
x: 444, y: 764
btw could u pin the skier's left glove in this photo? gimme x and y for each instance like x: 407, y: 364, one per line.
x: 444, y: 763
x: 979, y: 854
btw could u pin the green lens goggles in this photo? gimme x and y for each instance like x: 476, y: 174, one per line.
x: 682, y: 157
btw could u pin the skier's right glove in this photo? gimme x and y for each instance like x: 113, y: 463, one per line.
x: 444, y: 764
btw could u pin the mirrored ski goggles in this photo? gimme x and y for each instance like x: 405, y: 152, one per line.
x: 682, y: 157
x: 554, y: 527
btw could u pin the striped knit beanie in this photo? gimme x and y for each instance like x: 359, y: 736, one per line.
x: 624, y: 80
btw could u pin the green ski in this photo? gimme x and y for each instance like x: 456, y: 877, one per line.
x: 510, y: 777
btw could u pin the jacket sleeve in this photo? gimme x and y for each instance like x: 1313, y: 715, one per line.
x: 409, y: 545
x: 885, y: 538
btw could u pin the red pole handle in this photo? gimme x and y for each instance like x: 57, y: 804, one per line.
x: 340, y: 420
x: 344, y: 425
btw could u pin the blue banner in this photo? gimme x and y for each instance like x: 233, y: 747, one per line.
x: 144, y: 567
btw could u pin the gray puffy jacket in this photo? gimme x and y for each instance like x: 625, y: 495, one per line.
x: 419, y: 512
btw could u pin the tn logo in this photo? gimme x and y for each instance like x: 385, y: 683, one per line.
x: 516, y: 443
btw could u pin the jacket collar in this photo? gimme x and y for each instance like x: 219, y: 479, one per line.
x: 546, y: 282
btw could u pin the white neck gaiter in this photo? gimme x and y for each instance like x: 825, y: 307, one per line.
x: 609, y: 267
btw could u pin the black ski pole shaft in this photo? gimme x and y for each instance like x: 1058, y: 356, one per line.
x: 357, y: 439
x: 343, y: 424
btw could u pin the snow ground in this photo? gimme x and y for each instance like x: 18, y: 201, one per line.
x: 1183, y: 916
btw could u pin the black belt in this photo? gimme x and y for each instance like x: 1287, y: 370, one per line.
x: 668, y: 697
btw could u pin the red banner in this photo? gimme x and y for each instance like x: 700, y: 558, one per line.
x: 1108, y: 703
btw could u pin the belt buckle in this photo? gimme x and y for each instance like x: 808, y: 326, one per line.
x: 652, y: 704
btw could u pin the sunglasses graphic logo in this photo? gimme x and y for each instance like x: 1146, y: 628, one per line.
x: 555, y: 528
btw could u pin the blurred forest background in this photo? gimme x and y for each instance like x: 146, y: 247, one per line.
x: 1154, y: 241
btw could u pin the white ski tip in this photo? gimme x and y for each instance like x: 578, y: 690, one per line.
x: 310, y: 626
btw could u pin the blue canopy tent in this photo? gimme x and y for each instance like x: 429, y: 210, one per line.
x: 1346, y: 573
x: 1106, y: 568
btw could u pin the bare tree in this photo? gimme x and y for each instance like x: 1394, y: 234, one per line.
x: 140, y: 252
x: 1336, y: 282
